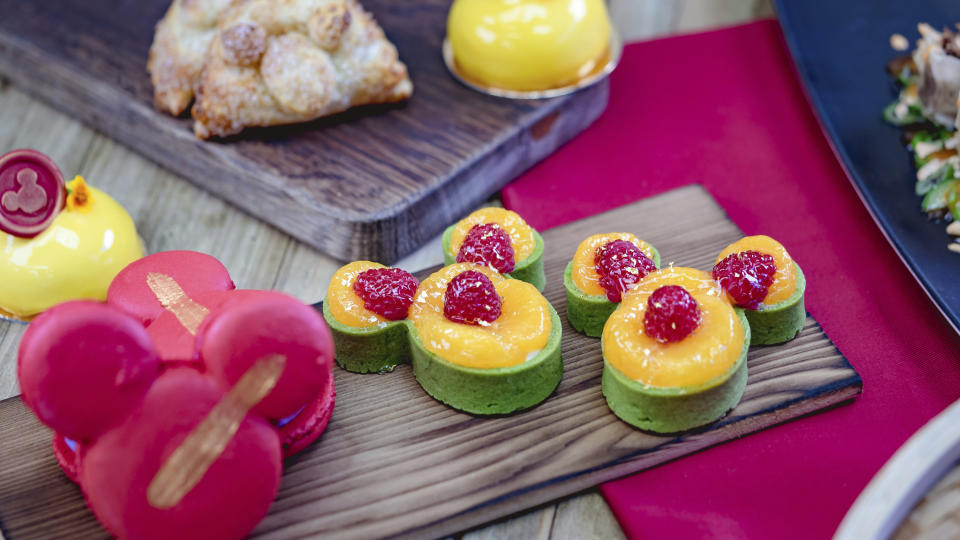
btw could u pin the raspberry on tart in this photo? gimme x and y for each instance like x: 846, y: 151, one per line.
x: 672, y: 314
x: 484, y: 343
x: 488, y: 244
x: 387, y: 292
x: 471, y: 298
x: 674, y: 352
x: 758, y: 274
x: 603, y: 268
x: 500, y: 239
x: 366, y: 307
x: 746, y: 276
x: 620, y: 264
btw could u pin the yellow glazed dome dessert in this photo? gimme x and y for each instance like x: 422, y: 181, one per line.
x: 528, y: 45
x: 59, y: 241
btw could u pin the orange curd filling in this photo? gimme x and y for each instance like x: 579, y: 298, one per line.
x: 345, y: 305
x: 784, y: 281
x: 585, y: 275
x: 521, y: 330
x: 521, y: 234
x: 709, y: 352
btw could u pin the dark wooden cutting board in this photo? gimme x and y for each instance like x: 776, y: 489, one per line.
x: 394, y: 462
x: 372, y: 183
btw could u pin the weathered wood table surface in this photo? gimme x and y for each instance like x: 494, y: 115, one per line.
x: 171, y: 213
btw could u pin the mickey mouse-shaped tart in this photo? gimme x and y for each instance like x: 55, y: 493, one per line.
x: 603, y: 268
x: 674, y: 352
x: 483, y: 343
x: 500, y: 239
x: 168, y: 448
x: 478, y: 341
x: 60, y: 241
x: 760, y: 276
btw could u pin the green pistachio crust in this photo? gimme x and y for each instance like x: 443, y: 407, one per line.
x: 780, y: 322
x: 671, y: 410
x: 589, y: 312
x: 529, y: 269
x: 491, y: 391
x: 375, y: 349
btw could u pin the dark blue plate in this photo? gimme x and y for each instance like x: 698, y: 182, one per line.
x: 841, y: 48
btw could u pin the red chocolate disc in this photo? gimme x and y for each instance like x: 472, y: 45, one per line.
x: 83, y: 365
x: 149, y: 286
x: 31, y: 192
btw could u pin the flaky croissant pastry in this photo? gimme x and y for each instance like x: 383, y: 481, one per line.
x: 180, y: 44
x: 273, y: 62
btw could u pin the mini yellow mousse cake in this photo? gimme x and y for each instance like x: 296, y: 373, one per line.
x: 89, y: 239
x: 528, y: 45
x: 674, y: 352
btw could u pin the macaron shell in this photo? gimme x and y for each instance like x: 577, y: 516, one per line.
x: 85, y: 353
x: 245, y: 331
x: 174, y: 342
x: 192, y: 271
x: 31, y: 192
x: 67, y: 458
x: 233, y: 495
x: 307, y: 426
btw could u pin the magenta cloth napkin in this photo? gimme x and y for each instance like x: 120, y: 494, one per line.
x: 725, y: 109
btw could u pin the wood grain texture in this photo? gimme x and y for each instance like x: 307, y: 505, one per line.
x: 375, y: 182
x: 394, y: 462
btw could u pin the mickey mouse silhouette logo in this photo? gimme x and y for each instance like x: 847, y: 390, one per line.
x: 30, y: 199
x: 32, y: 192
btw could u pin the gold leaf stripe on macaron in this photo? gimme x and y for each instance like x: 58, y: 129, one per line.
x: 173, y: 298
x: 185, y: 467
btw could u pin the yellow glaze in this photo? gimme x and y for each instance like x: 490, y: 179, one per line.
x: 521, y: 234
x: 520, y: 332
x: 784, y: 281
x: 528, y: 45
x: 585, y: 275
x: 75, y: 258
x: 710, y: 351
x: 345, y: 305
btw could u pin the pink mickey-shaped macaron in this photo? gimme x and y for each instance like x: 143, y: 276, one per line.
x: 243, y: 332
x: 83, y: 366
x: 188, y: 462
x: 148, y: 287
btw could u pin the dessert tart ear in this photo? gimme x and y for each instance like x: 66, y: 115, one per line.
x: 275, y: 328
x: 83, y: 366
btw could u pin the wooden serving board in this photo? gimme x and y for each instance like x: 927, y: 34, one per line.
x: 372, y: 183
x: 394, y: 462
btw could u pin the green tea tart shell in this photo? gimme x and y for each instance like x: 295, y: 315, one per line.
x: 529, y: 269
x: 780, y: 322
x: 671, y: 410
x: 491, y: 391
x: 373, y: 349
x: 588, y: 313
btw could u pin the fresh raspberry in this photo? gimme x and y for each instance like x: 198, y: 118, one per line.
x: 489, y: 245
x: 621, y: 264
x: 388, y: 292
x: 747, y: 276
x: 672, y: 314
x: 471, y: 298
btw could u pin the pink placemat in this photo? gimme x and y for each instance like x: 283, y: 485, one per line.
x: 725, y: 109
